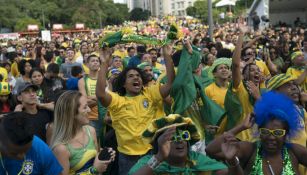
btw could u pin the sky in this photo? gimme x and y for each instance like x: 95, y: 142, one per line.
x: 118, y: 1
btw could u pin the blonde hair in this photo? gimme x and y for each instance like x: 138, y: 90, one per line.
x: 66, y: 125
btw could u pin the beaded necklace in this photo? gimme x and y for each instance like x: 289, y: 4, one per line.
x: 287, y: 165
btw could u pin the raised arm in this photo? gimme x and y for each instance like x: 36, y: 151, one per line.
x: 214, y: 148
x: 163, y: 152
x: 170, y: 72
x: 101, y: 94
x: 236, y: 57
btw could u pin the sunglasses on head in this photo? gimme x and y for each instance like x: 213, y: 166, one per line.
x: 181, y: 136
x: 274, y: 132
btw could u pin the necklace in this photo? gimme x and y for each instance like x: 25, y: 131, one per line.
x: 270, y: 168
x: 2, y: 164
x: 82, y: 144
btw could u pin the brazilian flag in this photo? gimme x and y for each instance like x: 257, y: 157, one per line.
x: 189, y: 97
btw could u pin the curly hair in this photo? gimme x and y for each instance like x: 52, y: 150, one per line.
x: 22, y: 64
x: 121, y: 79
x: 276, y: 106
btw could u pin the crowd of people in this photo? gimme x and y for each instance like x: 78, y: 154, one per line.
x: 233, y: 104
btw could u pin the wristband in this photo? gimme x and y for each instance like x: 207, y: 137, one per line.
x: 236, y: 164
x: 153, y: 162
x: 93, y: 170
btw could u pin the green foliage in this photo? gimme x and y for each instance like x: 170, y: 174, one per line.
x: 93, y: 13
x: 139, y: 14
x: 22, y: 23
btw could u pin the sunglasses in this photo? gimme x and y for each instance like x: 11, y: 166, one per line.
x: 181, y: 136
x: 275, y: 132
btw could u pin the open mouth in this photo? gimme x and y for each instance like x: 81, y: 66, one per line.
x: 136, y: 84
x: 257, y: 78
x: 295, y: 95
x: 180, y: 148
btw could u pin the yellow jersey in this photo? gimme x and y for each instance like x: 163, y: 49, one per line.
x: 14, y: 70
x: 3, y: 72
x: 85, y: 69
x: 131, y: 116
x: 264, y: 71
x: 217, y: 94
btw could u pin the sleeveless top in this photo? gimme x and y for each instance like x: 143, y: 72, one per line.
x: 97, y: 111
x: 287, y: 164
x: 82, y: 158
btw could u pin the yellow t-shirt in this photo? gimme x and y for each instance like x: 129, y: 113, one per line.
x: 3, y: 72
x: 131, y: 116
x: 247, y: 108
x: 85, y: 69
x: 14, y: 69
x: 296, y: 73
x: 264, y: 71
x: 77, y: 55
x: 217, y: 95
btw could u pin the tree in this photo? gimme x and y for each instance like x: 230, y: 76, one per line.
x: 139, y: 14
x: 92, y: 13
x: 22, y: 23
x: 191, y: 11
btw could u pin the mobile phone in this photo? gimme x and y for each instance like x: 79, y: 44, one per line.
x: 104, y: 154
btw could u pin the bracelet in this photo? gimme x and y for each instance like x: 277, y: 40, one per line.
x: 236, y: 164
x: 93, y: 170
x: 153, y: 162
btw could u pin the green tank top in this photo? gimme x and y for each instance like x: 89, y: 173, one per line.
x: 80, y: 156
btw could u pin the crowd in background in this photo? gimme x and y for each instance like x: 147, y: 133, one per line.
x: 77, y: 98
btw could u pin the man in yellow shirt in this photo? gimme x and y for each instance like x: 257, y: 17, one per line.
x: 217, y: 90
x: 133, y: 107
x: 298, y: 69
x: 87, y: 87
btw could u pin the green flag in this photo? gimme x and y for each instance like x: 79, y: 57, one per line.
x: 188, y: 94
x: 233, y: 108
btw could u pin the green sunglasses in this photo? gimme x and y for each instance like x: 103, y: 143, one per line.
x: 274, y: 132
x: 181, y: 136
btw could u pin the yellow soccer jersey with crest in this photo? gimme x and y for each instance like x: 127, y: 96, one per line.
x: 131, y: 116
